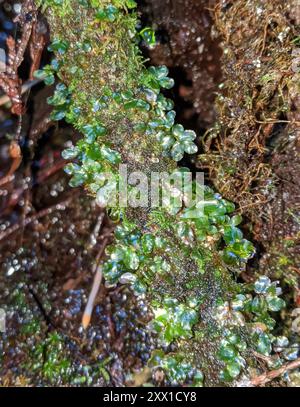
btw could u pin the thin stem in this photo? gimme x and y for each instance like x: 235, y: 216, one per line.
x: 268, y: 376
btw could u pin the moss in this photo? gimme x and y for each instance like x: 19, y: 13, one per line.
x: 177, y: 262
x: 251, y: 151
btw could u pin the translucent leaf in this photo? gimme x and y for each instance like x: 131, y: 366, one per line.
x: 262, y: 284
x: 167, y: 142
x: 70, y: 153
x: 190, y: 147
x: 177, y: 152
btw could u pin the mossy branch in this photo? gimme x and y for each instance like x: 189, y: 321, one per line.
x: 184, y: 266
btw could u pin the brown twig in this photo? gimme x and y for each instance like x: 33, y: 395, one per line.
x: 268, y: 376
x: 37, y: 45
x: 16, y: 155
x: 42, y: 176
x: 44, y: 212
x: 9, y: 80
x: 86, y: 318
x: 6, y: 179
x: 26, y: 19
x: 25, y: 87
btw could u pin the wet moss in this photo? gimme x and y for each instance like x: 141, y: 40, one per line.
x: 181, y: 267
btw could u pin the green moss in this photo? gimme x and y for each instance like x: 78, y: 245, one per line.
x: 183, y: 265
x: 50, y: 360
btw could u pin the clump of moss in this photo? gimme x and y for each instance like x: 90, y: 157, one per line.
x: 254, y: 98
x: 252, y: 153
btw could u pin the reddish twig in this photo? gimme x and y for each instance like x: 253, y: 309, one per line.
x: 44, y: 212
x: 37, y: 45
x: 42, y: 176
x: 86, y: 318
x: 25, y: 87
x: 9, y: 80
x: 16, y: 155
x: 268, y: 376
x: 26, y: 19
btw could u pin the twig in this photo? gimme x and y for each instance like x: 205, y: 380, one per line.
x: 57, y: 166
x: 44, y: 212
x: 16, y: 155
x: 93, y: 237
x: 26, y: 19
x: 268, y: 376
x: 9, y: 79
x: 37, y: 45
x: 265, y: 358
x: 272, y: 121
x: 6, y: 179
x: 25, y: 87
x: 86, y: 318
x: 265, y: 36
